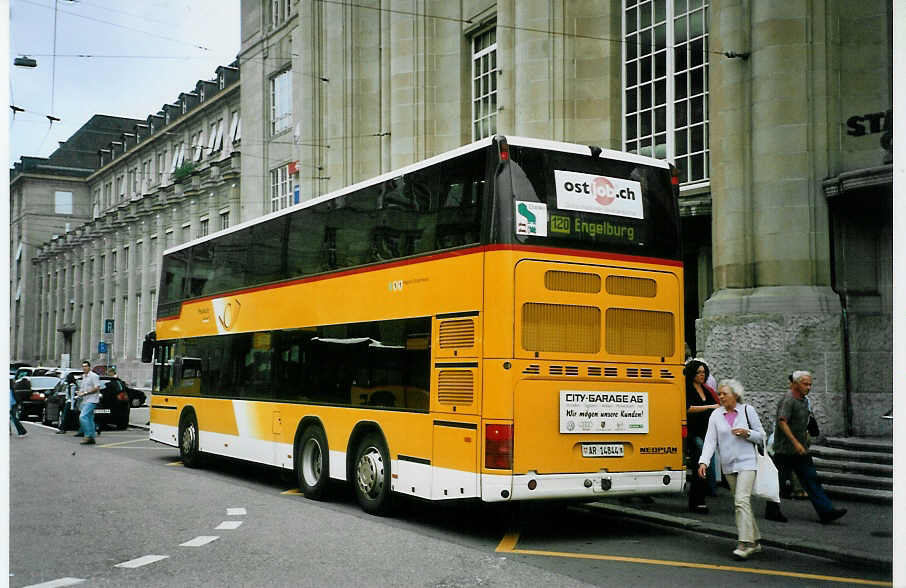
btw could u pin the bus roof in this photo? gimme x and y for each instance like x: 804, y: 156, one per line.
x: 462, y: 150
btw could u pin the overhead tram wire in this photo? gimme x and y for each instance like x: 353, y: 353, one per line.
x: 107, y: 22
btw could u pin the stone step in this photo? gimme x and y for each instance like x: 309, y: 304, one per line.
x: 855, y: 480
x: 870, y: 444
x: 859, y: 494
x: 832, y: 453
x: 855, y: 467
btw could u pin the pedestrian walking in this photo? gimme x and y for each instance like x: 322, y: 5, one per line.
x: 13, y: 417
x: 68, y: 405
x: 791, y: 452
x: 700, y: 402
x: 735, y: 429
x: 89, y: 392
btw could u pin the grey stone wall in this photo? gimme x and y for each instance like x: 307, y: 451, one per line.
x: 762, y: 346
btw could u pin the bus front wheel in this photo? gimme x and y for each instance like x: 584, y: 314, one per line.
x: 372, y: 475
x: 188, y: 442
x: 312, y: 462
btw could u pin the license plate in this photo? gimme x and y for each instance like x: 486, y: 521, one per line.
x: 102, y: 411
x: 602, y: 450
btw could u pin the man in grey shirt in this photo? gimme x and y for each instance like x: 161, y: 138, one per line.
x: 89, y: 392
x: 791, y: 451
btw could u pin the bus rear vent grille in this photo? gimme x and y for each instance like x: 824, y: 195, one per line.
x: 594, y: 371
x: 457, y: 333
x: 638, y: 373
x: 532, y: 369
x: 555, y: 370
x: 639, y: 332
x: 667, y: 374
x: 572, y: 281
x: 610, y: 372
x: 628, y: 286
x: 572, y: 370
x: 561, y: 327
x: 455, y: 387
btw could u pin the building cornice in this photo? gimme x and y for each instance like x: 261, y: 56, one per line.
x: 858, y: 179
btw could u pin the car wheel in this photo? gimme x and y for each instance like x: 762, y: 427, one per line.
x: 371, y: 473
x: 312, y: 463
x: 188, y: 442
x: 135, y: 402
x: 44, y: 419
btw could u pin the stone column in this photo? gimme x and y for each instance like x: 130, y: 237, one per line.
x: 85, y: 348
x: 132, y: 268
x: 773, y: 310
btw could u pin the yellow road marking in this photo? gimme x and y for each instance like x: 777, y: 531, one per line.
x: 293, y: 491
x: 508, y: 545
x: 174, y: 463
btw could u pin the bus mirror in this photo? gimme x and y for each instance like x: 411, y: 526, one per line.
x: 147, y: 351
x: 148, y: 347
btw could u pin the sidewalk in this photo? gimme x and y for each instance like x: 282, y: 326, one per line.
x: 863, y: 536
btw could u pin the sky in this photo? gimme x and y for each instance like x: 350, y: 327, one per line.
x: 145, y: 52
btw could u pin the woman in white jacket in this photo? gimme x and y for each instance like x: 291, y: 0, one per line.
x: 735, y: 430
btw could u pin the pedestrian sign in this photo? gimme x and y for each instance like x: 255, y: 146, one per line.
x: 108, y: 326
x: 102, y: 347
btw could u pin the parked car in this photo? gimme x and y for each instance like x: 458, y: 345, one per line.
x: 111, y: 411
x: 136, y: 397
x: 31, y: 393
x: 25, y: 370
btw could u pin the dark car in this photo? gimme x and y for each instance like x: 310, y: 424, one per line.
x: 111, y: 411
x: 31, y: 393
x: 136, y: 397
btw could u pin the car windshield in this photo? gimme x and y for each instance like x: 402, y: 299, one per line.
x: 43, y: 382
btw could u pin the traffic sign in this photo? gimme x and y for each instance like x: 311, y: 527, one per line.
x: 102, y: 347
x: 108, y: 326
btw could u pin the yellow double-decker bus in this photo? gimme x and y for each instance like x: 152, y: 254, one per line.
x: 502, y: 322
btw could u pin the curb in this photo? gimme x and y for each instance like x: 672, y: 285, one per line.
x: 796, y: 544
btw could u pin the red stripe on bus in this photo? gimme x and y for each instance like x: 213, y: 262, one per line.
x: 435, y: 256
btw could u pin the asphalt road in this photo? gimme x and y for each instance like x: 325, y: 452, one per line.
x: 125, y: 512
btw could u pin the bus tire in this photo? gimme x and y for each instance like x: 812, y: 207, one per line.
x: 188, y: 441
x: 312, y: 463
x: 371, y: 475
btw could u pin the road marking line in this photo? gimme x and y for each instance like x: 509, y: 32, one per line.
x: 199, y: 541
x: 235, y: 512
x: 228, y: 525
x: 57, y: 583
x: 293, y: 491
x: 507, y: 545
x: 124, y: 443
x: 141, y: 561
x: 174, y: 463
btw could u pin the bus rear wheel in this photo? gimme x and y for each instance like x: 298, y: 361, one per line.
x: 371, y: 472
x: 312, y: 463
x: 188, y: 442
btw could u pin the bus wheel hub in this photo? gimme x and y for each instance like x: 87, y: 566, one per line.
x: 370, y: 472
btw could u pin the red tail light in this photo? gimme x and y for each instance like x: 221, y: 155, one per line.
x: 685, y: 431
x: 37, y: 396
x: 674, y: 175
x: 498, y: 447
x: 122, y: 396
x: 504, y: 150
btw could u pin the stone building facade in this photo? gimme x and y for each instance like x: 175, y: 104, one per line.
x: 775, y: 113
x: 49, y: 197
x: 170, y: 178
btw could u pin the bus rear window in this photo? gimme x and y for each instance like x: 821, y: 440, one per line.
x: 585, y: 202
